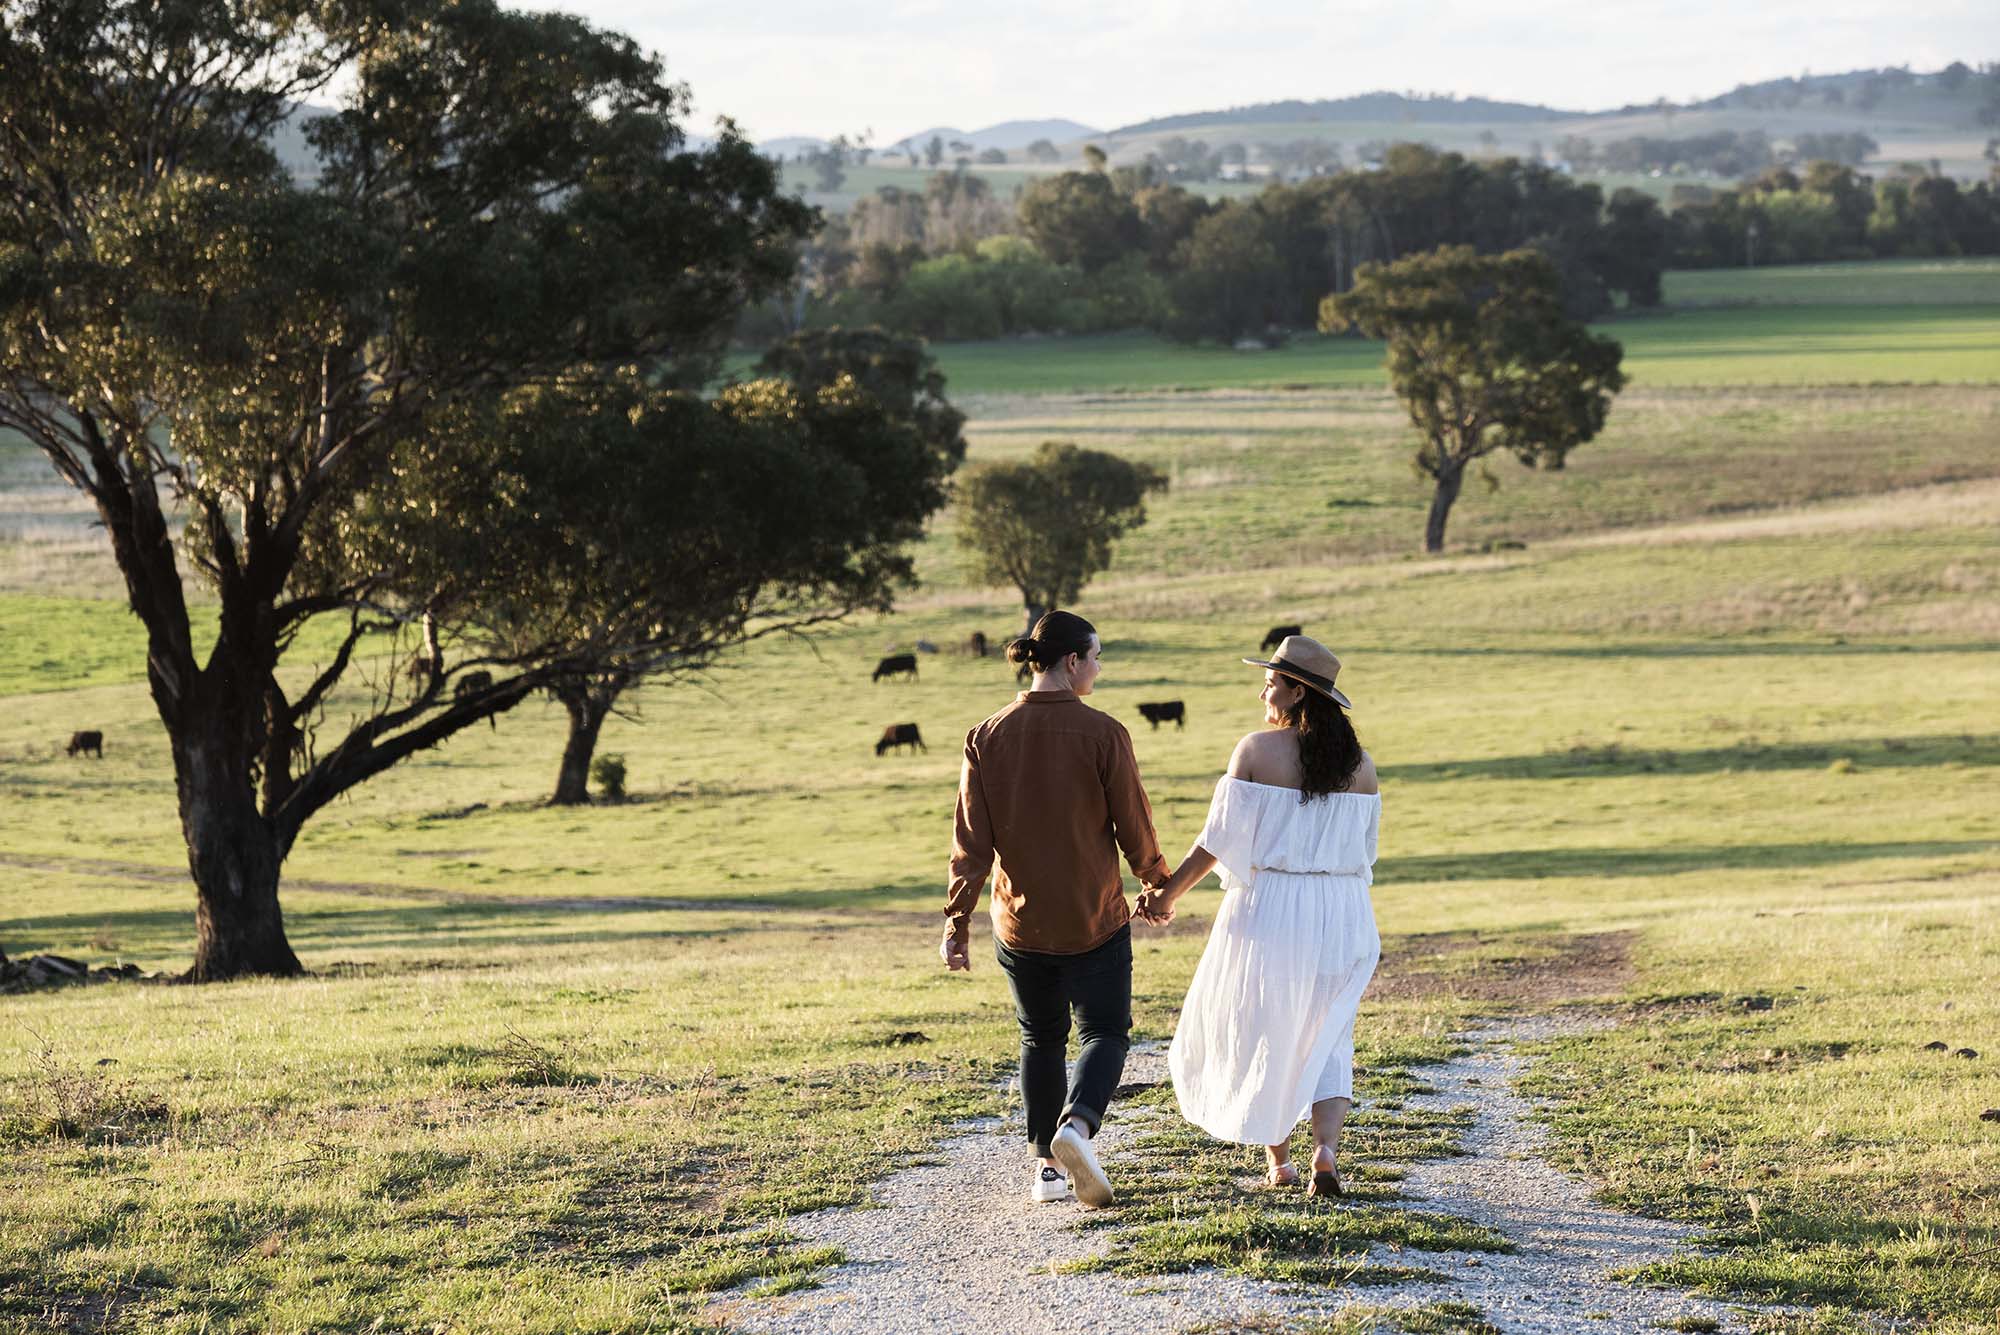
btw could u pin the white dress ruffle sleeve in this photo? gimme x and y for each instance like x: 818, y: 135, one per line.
x: 1268, y: 1026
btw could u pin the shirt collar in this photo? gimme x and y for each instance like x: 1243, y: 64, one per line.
x: 1046, y: 697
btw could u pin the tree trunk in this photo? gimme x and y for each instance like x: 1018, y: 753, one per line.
x: 235, y: 857
x: 1448, y: 484
x: 586, y: 716
x: 1035, y: 613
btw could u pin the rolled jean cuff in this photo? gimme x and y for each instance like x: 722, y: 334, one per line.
x: 1089, y: 1116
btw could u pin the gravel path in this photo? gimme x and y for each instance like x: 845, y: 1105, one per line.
x: 956, y: 1246
x: 1558, y: 1280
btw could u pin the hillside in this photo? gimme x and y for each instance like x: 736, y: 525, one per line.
x: 1440, y: 109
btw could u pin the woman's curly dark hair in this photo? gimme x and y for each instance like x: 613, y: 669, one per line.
x: 1057, y: 635
x: 1329, y: 751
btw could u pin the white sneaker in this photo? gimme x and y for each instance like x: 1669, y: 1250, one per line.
x: 1073, y: 1151
x: 1049, y: 1185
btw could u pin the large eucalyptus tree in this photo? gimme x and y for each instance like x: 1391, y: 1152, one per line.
x: 189, y: 329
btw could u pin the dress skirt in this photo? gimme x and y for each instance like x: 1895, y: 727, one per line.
x: 1268, y: 1026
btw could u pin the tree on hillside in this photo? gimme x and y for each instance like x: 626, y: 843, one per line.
x: 1046, y: 526
x: 1484, y: 359
x: 661, y: 529
x: 829, y: 164
x: 934, y: 150
x: 1044, y: 150
x: 1079, y: 218
x: 502, y: 198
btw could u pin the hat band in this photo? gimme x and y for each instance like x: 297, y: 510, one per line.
x: 1325, y: 684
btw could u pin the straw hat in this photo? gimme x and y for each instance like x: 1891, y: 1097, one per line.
x: 1309, y: 663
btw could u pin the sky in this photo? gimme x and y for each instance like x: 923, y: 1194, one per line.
x: 895, y: 67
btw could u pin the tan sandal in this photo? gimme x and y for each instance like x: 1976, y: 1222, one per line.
x: 1280, y: 1177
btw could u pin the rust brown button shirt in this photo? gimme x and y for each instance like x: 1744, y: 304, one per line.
x: 1051, y: 788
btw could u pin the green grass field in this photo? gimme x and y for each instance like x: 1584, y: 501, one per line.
x: 1974, y: 282
x: 1820, y: 344
x: 1730, y: 706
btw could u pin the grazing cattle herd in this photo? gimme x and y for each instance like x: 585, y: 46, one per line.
x: 894, y: 737
x: 898, y: 735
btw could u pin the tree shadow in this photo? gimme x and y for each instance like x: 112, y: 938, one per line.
x: 1535, y: 864
x: 1738, y: 648
x: 1615, y: 760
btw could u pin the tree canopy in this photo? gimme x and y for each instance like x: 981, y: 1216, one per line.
x: 503, y: 202
x: 1046, y: 526
x: 1483, y: 357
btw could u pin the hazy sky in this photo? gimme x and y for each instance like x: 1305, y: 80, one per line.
x: 784, y: 67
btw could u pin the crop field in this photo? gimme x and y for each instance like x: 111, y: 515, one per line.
x: 1718, y: 700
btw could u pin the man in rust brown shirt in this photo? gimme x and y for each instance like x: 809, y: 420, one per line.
x: 1050, y: 788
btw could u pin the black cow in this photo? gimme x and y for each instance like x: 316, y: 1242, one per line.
x: 1276, y: 636
x: 91, y: 741
x: 975, y: 644
x: 901, y: 734
x: 905, y: 664
x: 1164, y: 711
x: 472, y: 683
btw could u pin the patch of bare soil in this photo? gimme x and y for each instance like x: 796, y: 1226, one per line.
x: 1529, y: 971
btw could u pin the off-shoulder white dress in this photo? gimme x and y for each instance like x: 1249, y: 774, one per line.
x: 1268, y: 1026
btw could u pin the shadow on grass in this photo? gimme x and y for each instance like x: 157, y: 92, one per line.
x: 1615, y: 760
x: 330, y: 932
x: 1545, y: 863
x: 1737, y: 647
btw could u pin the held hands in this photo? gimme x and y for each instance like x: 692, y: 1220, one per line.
x: 1156, y: 906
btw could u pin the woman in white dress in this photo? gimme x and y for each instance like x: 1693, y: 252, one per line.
x: 1266, y: 1036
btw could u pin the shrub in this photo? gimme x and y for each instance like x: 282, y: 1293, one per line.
x: 608, y: 773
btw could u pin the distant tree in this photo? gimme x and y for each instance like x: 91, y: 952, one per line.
x: 1489, y: 142
x: 1633, y: 246
x: 1484, y: 359
x: 829, y: 164
x: 934, y: 151
x: 500, y: 197
x: 1580, y: 153
x: 993, y: 157
x: 1953, y: 76
x: 1094, y: 158
x: 1228, y: 280
x: 1043, y: 150
x: 1079, y: 218
x: 1047, y: 526
x: 1168, y: 214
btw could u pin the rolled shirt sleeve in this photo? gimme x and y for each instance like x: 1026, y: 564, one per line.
x: 1131, y: 812
x: 971, y: 844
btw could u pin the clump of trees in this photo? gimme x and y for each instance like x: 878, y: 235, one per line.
x: 1130, y: 247
x: 1832, y: 212
x: 426, y: 394
x: 1484, y: 358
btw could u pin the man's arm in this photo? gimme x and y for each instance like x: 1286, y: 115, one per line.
x: 971, y: 860
x: 1131, y: 813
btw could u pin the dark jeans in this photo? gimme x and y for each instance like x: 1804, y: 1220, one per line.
x: 1097, y: 987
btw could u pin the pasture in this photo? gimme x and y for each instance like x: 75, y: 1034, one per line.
x: 1714, y: 707
x: 1696, y: 348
